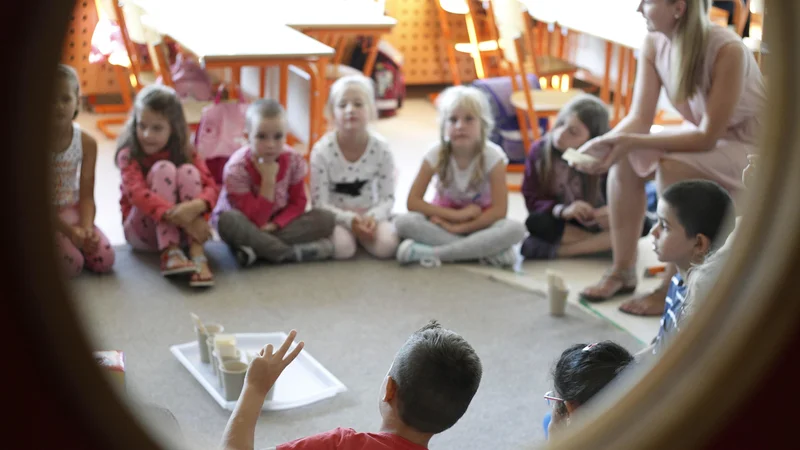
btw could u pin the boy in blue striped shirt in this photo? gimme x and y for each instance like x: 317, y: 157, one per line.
x: 695, y: 218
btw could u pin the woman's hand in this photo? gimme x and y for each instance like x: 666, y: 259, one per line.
x: 608, y: 149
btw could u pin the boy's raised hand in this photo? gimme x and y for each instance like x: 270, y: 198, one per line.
x: 265, y: 369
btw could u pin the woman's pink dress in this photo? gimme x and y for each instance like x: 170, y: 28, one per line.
x: 726, y: 161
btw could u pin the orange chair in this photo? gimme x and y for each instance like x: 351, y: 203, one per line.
x: 483, y: 45
x: 548, y: 44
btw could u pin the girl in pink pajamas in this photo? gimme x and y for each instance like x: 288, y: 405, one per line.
x: 167, y: 190
x: 80, y: 243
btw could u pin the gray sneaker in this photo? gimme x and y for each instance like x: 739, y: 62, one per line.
x: 506, y: 259
x: 314, y: 251
x: 245, y: 256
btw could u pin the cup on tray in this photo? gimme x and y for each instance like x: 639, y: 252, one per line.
x: 211, y: 330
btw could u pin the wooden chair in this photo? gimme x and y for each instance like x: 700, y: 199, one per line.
x: 138, y: 78
x: 483, y: 45
x: 530, y: 104
x: 549, y: 46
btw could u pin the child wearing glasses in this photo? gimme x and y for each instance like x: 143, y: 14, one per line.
x: 580, y: 373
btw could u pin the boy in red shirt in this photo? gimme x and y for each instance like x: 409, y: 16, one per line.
x: 428, y: 388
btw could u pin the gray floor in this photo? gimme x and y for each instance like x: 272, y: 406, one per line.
x: 353, y: 316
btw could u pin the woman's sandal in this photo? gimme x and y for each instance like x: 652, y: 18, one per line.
x: 197, y: 280
x: 626, y: 280
x: 175, y: 262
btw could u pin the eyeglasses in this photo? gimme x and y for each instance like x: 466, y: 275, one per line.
x: 550, y: 397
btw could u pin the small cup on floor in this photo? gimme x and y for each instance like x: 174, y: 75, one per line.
x: 557, y: 294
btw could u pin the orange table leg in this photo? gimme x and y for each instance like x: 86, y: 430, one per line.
x: 262, y: 81
x: 605, y: 89
x: 369, y: 65
x: 621, y: 59
x: 283, y: 92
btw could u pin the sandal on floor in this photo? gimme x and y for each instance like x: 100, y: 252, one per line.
x: 197, y: 280
x: 175, y: 262
x: 626, y: 279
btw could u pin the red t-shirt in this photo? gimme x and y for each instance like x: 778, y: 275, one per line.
x: 349, y: 439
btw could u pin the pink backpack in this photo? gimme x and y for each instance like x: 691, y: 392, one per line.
x: 190, y: 79
x: 220, y: 132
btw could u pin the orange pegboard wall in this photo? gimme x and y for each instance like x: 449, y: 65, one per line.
x: 98, y: 78
x: 417, y: 36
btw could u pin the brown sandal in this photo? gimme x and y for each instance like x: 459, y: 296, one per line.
x: 626, y: 279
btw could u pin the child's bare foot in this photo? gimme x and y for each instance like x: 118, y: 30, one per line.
x: 175, y: 262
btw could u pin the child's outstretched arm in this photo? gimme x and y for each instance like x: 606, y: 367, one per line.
x: 416, y: 198
x: 386, y: 186
x: 264, y: 370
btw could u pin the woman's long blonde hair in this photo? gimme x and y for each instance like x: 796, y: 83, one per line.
x: 474, y: 101
x: 689, y: 48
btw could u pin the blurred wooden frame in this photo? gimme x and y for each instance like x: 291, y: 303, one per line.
x: 717, y: 379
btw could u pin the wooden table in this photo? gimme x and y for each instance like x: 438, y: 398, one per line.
x: 618, y: 23
x: 335, y: 30
x: 226, y: 38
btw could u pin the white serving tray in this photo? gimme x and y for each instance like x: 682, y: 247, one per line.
x: 304, y: 381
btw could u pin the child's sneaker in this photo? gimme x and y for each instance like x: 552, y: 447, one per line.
x: 314, y: 251
x: 175, y: 262
x: 506, y: 259
x: 409, y: 252
x: 245, y: 256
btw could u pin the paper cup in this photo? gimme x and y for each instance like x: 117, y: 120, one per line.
x: 232, y: 374
x: 202, y: 340
x: 558, y: 300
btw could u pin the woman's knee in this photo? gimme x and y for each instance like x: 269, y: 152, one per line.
x: 344, y: 243
x: 622, y: 172
x: 670, y: 171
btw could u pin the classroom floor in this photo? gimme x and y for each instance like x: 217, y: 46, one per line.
x: 411, y: 132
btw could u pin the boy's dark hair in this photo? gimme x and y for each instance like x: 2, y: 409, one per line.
x: 702, y: 207
x: 68, y: 73
x: 584, y: 370
x: 437, y: 373
x: 263, y: 108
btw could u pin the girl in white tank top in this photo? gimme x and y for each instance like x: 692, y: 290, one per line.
x: 80, y: 243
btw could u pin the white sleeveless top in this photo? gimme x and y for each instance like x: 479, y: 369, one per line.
x: 66, y: 165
